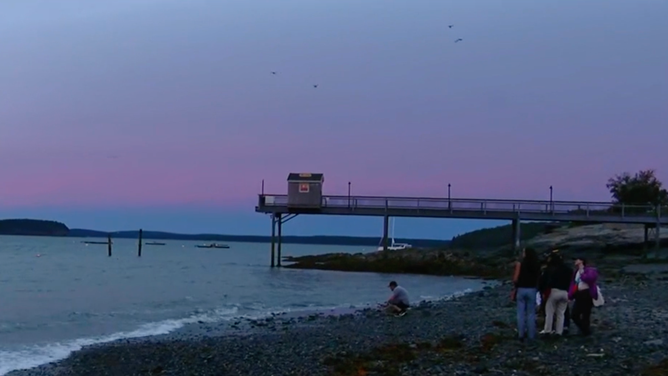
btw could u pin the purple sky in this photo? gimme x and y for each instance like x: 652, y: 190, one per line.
x: 163, y: 114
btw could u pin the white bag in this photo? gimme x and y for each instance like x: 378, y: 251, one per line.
x: 599, y: 301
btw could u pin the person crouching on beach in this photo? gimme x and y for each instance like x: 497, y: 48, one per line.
x: 584, y: 291
x: 398, y: 302
x: 527, y: 273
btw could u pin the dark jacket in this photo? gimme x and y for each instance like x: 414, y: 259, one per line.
x: 544, y: 281
x: 529, y: 276
x: 559, y: 277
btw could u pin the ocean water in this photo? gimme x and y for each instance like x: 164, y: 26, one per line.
x: 58, y: 294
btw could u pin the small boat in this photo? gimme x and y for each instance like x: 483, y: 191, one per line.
x: 94, y: 242
x: 393, y: 246
x: 155, y: 243
x: 396, y: 246
x: 213, y: 245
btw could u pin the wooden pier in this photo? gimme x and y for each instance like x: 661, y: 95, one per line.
x: 303, y: 199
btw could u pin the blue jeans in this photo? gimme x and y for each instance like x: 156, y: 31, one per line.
x: 526, y: 312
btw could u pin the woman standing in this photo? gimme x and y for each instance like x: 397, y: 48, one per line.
x: 558, y: 281
x: 527, y: 273
x: 584, y: 291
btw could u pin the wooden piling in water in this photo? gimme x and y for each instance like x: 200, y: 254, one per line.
x: 273, y: 238
x: 280, y: 239
x: 141, y: 235
x: 109, y: 244
x: 386, y: 232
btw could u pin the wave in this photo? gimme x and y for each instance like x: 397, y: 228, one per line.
x: 33, y: 356
x: 37, y: 355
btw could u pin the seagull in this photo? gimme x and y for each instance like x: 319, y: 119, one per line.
x: 450, y: 26
x: 315, y: 86
x: 459, y: 40
x: 273, y: 72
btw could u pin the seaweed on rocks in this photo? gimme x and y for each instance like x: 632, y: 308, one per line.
x: 410, y: 261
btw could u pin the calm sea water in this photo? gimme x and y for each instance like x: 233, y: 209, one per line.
x: 58, y: 294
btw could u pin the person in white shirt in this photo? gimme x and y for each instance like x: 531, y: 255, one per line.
x: 398, y: 302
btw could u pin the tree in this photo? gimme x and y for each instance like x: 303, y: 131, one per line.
x: 643, y: 188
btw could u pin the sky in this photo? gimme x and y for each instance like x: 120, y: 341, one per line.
x: 164, y: 114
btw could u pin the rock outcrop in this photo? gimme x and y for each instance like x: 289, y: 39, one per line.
x: 607, y: 238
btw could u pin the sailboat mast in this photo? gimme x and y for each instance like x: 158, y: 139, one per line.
x: 393, y: 222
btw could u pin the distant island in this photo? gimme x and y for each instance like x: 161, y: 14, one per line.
x: 37, y: 227
x: 32, y: 227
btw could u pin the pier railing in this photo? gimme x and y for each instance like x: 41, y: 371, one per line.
x: 419, y: 204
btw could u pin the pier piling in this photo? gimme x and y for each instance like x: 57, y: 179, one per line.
x: 645, y: 240
x: 657, y: 230
x: 109, y: 245
x: 279, y: 219
x: 386, y: 231
x: 139, y: 244
x: 516, y: 235
x: 273, y: 238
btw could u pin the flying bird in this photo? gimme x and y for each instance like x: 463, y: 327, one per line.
x: 459, y: 40
x: 315, y: 86
x: 450, y: 26
x: 273, y: 72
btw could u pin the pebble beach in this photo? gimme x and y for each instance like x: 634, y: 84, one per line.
x: 472, y: 334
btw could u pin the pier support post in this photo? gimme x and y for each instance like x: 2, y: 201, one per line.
x: 109, y: 244
x: 516, y: 235
x: 273, y: 236
x: 279, y: 220
x: 141, y: 235
x: 645, y: 240
x: 657, y: 231
x: 386, y: 232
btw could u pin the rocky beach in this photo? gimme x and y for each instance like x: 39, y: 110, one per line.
x: 472, y: 334
x: 469, y: 335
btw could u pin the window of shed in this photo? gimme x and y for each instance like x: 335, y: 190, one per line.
x: 304, y: 188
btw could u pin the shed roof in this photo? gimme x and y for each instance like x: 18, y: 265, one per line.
x: 306, y: 177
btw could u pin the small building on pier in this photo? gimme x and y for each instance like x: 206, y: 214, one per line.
x: 305, y: 190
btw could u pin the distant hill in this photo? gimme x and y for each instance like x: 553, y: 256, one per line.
x: 495, y: 237
x: 32, y: 227
x: 320, y: 239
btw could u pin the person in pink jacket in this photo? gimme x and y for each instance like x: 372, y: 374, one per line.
x: 583, y: 291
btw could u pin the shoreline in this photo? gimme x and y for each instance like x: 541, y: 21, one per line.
x: 466, y: 335
x: 268, y: 323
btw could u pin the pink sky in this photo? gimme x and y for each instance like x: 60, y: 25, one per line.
x: 172, y: 103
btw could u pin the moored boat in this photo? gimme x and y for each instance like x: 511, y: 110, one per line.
x: 213, y: 245
x: 393, y: 246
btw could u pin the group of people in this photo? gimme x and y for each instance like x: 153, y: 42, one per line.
x: 558, y: 285
x: 566, y: 293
